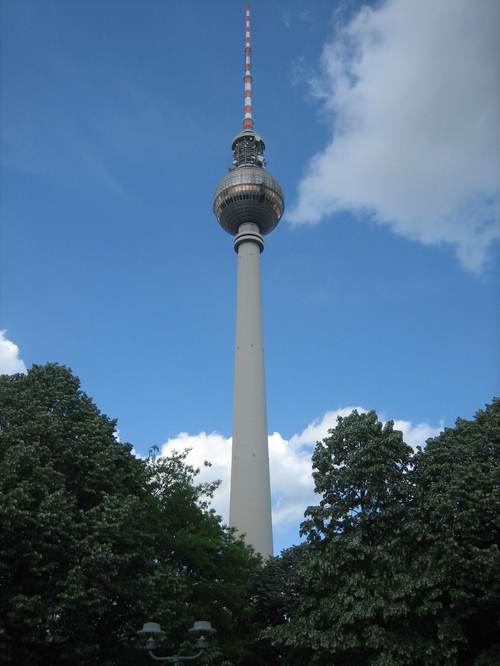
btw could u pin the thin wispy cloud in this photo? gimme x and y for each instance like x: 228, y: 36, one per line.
x: 411, y: 92
x: 290, y: 16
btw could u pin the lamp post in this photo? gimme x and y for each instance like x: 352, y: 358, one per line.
x: 152, y: 631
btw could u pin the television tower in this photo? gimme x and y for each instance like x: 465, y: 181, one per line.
x: 248, y: 203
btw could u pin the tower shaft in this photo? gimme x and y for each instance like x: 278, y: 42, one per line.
x: 250, y: 500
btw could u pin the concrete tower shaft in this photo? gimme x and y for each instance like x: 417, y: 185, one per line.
x: 250, y: 499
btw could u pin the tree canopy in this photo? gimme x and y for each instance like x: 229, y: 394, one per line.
x: 456, y: 526
x: 95, y: 541
x: 401, y: 563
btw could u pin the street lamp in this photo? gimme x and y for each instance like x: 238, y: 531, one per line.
x: 152, y: 631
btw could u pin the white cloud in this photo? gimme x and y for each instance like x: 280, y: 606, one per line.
x: 217, y: 450
x: 417, y: 435
x: 412, y: 90
x: 291, y: 480
x: 10, y: 361
x: 318, y: 429
x: 290, y: 462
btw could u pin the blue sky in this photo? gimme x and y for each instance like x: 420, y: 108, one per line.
x: 381, y: 282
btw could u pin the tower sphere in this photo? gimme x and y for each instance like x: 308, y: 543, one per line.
x: 248, y: 193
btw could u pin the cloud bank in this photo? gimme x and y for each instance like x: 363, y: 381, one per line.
x: 411, y: 89
x: 289, y: 459
x: 10, y: 361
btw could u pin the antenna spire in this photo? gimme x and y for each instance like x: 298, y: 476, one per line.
x: 248, y: 117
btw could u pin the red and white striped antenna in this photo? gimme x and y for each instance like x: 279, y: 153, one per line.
x: 247, y: 106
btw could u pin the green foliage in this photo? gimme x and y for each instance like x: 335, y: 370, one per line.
x: 95, y: 541
x: 219, y: 569
x: 456, y: 523
x: 276, y: 597
x: 401, y: 564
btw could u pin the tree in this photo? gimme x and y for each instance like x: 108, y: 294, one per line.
x: 95, y: 541
x: 219, y: 568
x: 456, y: 521
x: 351, y: 587
x: 275, y: 598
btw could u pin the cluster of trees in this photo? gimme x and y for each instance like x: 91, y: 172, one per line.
x: 400, y: 562
x: 95, y: 541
